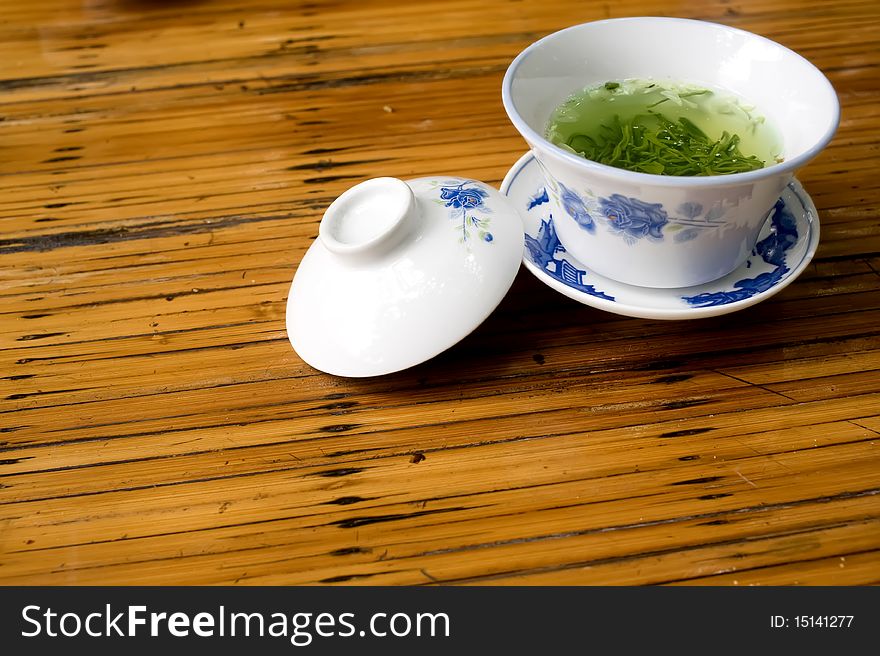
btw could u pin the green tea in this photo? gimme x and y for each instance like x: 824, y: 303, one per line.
x: 664, y: 128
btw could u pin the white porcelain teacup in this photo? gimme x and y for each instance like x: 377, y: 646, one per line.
x: 627, y: 225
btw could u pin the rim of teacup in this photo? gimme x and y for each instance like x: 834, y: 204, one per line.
x: 786, y: 167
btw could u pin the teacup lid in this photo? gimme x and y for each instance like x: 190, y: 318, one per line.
x: 400, y: 272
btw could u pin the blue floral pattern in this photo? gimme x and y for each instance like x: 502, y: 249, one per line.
x: 461, y: 197
x: 788, y: 238
x: 465, y: 201
x: 543, y: 252
x: 633, y: 217
x: 576, y: 208
x: 539, y: 198
x: 783, y: 236
x: 690, y: 210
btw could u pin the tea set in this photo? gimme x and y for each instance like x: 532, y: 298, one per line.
x: 403, y: 270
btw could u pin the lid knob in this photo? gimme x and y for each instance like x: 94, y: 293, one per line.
x: 368, y: 218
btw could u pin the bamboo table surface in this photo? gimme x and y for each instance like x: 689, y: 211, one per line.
x: 164, y: 166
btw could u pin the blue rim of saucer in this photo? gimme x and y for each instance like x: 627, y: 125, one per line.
x: 756, y: 280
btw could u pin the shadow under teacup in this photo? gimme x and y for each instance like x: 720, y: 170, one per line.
x: 654, y: 230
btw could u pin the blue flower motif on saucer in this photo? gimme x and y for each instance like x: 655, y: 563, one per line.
x: 465, y: 200
x: 783, y: 235
x: 576, y: 208
x: 539, y: 198
x: 544, y: 251
x: 634, y: 218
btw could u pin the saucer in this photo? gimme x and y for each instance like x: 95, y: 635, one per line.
x: 785, y: 246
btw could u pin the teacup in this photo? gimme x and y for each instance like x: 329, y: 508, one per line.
x: 653, y: 230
